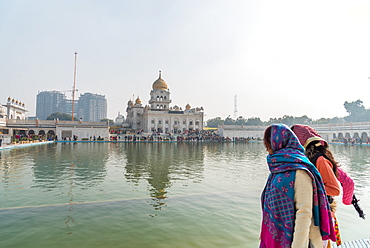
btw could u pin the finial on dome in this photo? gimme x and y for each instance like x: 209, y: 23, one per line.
x: 160, y: 74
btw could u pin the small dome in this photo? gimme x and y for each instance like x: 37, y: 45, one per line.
x: 160, y: 84
x: 138, y: 101
x: 129, y: 103
x: 188, y: 106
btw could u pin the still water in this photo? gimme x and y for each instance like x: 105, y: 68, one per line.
x: 155, y: 195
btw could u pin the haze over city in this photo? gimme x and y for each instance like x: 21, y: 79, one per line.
x: 278, y: 57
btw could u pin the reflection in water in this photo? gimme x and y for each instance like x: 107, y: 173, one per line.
x: 82, y: 162
x: 161, y: 164
x: 69, y: 220
x: 355, y: 161
x: 99, y: 193
x: 70, y: 165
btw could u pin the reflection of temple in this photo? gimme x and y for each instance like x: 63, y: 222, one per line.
x: 159, y: 116
x: 162, y: 165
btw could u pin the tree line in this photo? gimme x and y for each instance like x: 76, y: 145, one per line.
x: 356, y: 113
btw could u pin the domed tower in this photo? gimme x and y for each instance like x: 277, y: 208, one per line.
x: 160, y: 95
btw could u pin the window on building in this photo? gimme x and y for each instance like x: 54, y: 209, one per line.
x: 166, y: 122
x: 160, y: 122
x: 153, y: 121
x: 175, y: 122
x: 190, y: 122
x: 196, y: 122
x: 184, y: 122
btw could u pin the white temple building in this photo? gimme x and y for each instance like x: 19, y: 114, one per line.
x: 159, y: 115
x: 13, y: 109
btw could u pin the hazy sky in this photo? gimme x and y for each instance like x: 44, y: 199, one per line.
x: 279, y: 57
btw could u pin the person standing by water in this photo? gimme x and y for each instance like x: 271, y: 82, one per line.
x: 317, y: 151
x: 295, y: 210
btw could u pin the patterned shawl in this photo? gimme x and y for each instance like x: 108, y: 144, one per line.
x: 278, y: 208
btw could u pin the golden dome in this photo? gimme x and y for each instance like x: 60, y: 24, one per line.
x: 138, y: 101
x: 188, y: 106
x: 160, y: 84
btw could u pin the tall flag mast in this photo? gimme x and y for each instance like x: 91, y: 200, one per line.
x: 235, y: 108
x: 74, y: 89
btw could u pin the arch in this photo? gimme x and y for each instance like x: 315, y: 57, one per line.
x: 356, y: 135
x: 51, y: 132
x: 347, y: 135
x: 41, y: 132
x: 334, y: 136
x: 340, y: 136
x: 364, y: 136
x: 31, y: 132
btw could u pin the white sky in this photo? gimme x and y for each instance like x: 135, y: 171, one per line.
x: 279, y: 57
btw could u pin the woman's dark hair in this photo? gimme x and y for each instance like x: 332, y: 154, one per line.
x: 267, y: 138
x: 312, y: 150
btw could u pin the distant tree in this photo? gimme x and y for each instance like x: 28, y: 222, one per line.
x: 229, y: 121
x: 215, y: 122
x: 354, y: 108
x: 60, y: 116
x: 302, y: 120
x: 337, y: 120
x: 240, y: 121
x: 111, y: 122
x: 254, y: 121
x: 322, y: 121
x: 357, y: 112
x: 271, y: 121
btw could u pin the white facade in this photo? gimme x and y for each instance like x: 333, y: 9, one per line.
x: 14, y: 110
x: 159, y: 116
x: 238, y: 131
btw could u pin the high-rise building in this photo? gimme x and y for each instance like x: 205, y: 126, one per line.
x: 69, y: 107
x: 49, y: 102
x: 92, y: 107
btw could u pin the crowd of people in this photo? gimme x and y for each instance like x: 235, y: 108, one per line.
x: 352, y: 141
x: 187, y: 136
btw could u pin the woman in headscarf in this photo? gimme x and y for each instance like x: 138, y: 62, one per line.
x: 317, y: 151
x: 295, y: 210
